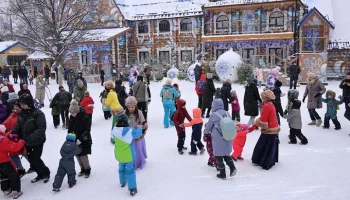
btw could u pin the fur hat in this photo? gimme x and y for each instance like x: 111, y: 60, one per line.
x: 80, y: 83
x: 122, y: 120
x: 267, y: 95
x: 71, y: 137
x: 4, y: 89
x: 168, y: 81
x: 330, y: 93
x: 109, y: 85
x: 74, y: 106
x: 293, y: 94
x: 311, y: 75
x: 86, y: 93
x: 209, y: 76
x: 26, y: 99
x: 2, y: 128
x: 130, y: 101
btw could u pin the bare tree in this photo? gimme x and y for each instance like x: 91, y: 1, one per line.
x: 53, y: 26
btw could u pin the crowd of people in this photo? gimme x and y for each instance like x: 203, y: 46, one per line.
x: 23, y: 124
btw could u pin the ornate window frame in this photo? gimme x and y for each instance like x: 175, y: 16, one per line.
x: 186, y: 31
x: 229, y: 23
x: 143, y: 34
x: 179, y: 49
x: 170, y: 24
x: 164, y: 49
x: 285, y: 20
x: 139, y: 50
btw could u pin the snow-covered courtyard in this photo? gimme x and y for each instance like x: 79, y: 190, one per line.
x: 319, y: 170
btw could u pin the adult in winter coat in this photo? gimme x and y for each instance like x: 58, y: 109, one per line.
x: 199, y: 89
x: 148, y: 72
x: 6, y: 71
x: 23, y: 74
x: 79, y: 90
x: 3, y: 112
x: 68, y: 150
x: 314, y: 89
x: 197, y: 72
x: 221, y: 148
x: 226, y: 93
x: 112, y: 101
x: 120, y: 90
x: 251, y: 101
x: 15, y: 74
x: 47, y: 74
x: 80, y: 77
x: 40, y: 90
x: 64, y: 98
x: 79, y: 124
x: 24, y: 90
x: 35, y: 73
x: 102, y: 76
x: 293, y: 73
x: 142, y: 94
x: 345, y: 86
x: 277, y: 102
x: 266, y: 149
x: 31, y: 126
x: 168, y: 93
x: 71, y: 80
x: 208, y: 95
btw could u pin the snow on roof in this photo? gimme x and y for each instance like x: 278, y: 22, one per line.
x: 6, y: 44
x: 102, y: 35
x: 37, y: 55
x: 160, y: 10
x: 236, y: 2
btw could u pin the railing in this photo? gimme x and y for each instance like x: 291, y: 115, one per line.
x: 313, y: 44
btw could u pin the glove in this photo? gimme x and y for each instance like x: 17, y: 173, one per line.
x: 318, y: 95
x: 78, y: 142
x: 13, y: 137
x: 304, y: 99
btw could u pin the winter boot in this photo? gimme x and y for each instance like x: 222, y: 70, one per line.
x: 233, y: 158
x: 184, y: 148
x: 56, y: 189
x: 8, y: 192
x: 46, y: 179
x: 222, y: 174
x: 87, y: 173
x: 233, y: 171
x: 72, y: 184
x: 192, y: 153
x: 202, y: 151
x: 211, y: 164
x: 207, y: 116
x: 82, y: 172
x: 133, y: 192
x: 16, y: 195
x: 122, y: 185
x: 240, y: 158
x: 36, y: 179
x: 312, y: 123
x: 21, y: 172
x: 318, y: 122
x: 181, y: 152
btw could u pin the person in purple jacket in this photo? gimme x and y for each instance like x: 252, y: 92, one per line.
x: 3, y: 111
x: 221, y: 148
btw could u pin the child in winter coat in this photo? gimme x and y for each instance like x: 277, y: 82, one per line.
x: 10, y: 180
x: 293, y: 115
x: 259, y: 75
x: 55, y: 112
x: 271, y: 79
x: 332, y: 107
x: 123, y: 135
x: 68, y: 150
x: 88, y: 104
x: 179, y: 118
x: 197, y: 124
x: 235, y: 107
x: 106, y: 109
x: 3, y: 111
x: 240, y: 139
x: 30, y: 77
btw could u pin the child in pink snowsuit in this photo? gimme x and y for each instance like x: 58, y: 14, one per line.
x: 240, y: 139
x: 209, y: 146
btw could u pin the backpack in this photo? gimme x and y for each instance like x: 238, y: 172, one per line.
x: 167, y: 93
x: 200, y: 86
x: 228, y: 127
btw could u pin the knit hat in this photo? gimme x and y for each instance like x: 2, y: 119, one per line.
x: 86, y: 94
x: 122, y: 120
x: 168, y: 82
x: 175, y: 85
x: 228, y: 80
x: 267, y: 95
x: 109, y: 85
x: 71, y: 137
x: 209, y: 76
x: 311, y: 75
x: 74, y: 106
x: 139, y: 78
x: 26, y: 99
x: 4, y: 89
x: 80, y: 83
x: 130, y: 101
x: 243, y: 127
x: 2, y: 128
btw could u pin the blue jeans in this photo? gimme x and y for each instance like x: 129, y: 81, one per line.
x: 127, y: 175
x: 314, y: 115
x: 17, y: 161
x: 169, y: 109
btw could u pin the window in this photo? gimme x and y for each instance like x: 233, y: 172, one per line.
x: 144, y: 57
x: 222, y: 22
x: 186, y: 55
x: 276, y: 56
x: 84, y: 57
x: 164, y: 56
x: 219, y: 52
x: 248, y: 55
x: 186, y: 25
x: 15, y: 60
x: 143, y: 27
x: 164, y: 26
x: 276, y: 19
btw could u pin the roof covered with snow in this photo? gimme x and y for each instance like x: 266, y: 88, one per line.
x: 237, y: 2
x: 37, y: 55
x: 4, y: 46
x: 102, y: 35
x: 160, y: 10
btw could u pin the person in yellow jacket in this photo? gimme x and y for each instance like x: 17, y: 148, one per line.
x: 112, y: 101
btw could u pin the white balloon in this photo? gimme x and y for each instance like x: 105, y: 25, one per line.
x: 227, y: 65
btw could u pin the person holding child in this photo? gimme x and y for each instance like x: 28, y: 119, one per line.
x: 179, y: 119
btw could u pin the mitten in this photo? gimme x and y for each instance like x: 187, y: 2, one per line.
x: 252, y: 128
x: 13, y: 137
x: 318, y: 95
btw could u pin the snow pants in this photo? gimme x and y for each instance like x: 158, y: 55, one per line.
x: 17, y: 161
x: 169, y: 109
x: 127, y: 175
x: 196, y: 141
x: 335, y: 122
x: 38, y: 165
x: 210, y: 151
x: 293, y: 133
x: 181, y: 140
x: 9, y: 177
x: 66, y: 166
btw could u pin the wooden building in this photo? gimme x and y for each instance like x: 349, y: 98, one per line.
x: 13, y: 53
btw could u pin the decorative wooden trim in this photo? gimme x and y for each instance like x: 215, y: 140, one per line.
x: 179, y: 49
x: 268, y: 36
x: 250, y: 6
x: 143, y: 34
x: 143, y: 50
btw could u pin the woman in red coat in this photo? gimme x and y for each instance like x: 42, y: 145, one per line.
x: 11, y: 121
x: 266, y: 149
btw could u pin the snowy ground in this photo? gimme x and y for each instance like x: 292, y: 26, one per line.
x: 318, y: 170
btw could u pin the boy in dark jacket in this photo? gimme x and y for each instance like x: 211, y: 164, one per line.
x: 197, y: 124
x: 69, y: 149
x: 179, y: 118
x: 226, y: 93
x: 55, y: 112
